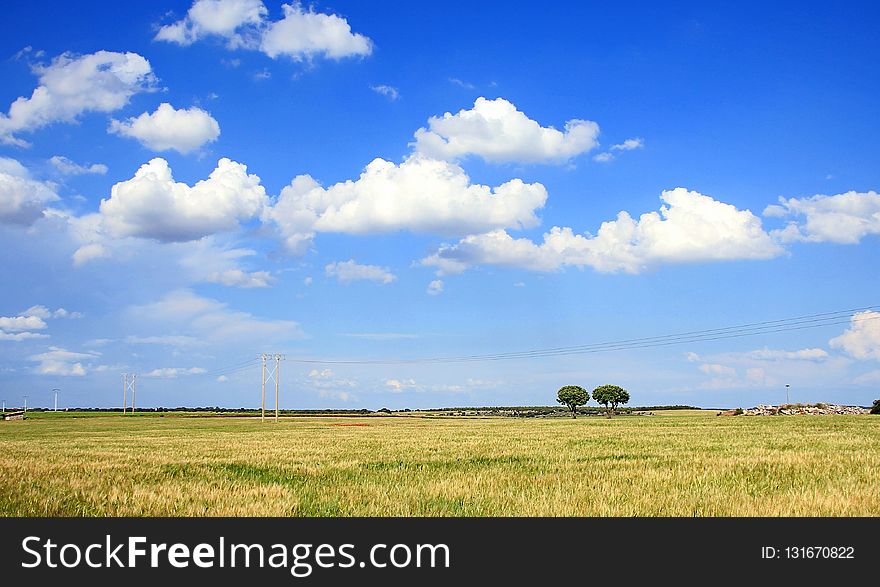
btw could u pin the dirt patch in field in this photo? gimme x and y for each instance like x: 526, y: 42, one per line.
x: 359, y: 424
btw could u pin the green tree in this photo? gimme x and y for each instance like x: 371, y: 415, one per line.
x: 875, y: 409
x: 573, y: 396
x: 610, y: 395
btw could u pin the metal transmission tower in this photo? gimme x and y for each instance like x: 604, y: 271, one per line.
x: 271, y: 371
x: 129, y: 382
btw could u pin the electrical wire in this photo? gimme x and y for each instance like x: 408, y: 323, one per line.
x: 743, y: 330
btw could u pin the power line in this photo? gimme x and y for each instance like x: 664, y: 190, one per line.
x: 229, y: 370
x: 795, y: 323
x: 743, y: 330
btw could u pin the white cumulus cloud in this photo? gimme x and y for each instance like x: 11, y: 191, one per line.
x: 496, y: 131
x: 689, y: 227
x: 71, y: 85
x: 22, y: 199
x: 349, y: 271
x: 229, y: 19
x: 419, y: 195
x: 183, y: 130
x: 20, y: 323
x: 843, y: 218
x: 301, y: 34
x: 305, y: 34
x: 862, y: 339
x: 152, y: 205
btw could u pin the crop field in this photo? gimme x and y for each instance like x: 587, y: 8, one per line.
x: 686, y: 464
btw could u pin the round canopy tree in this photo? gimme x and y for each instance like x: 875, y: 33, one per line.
x: 573, y: 396
x: 610, y: 396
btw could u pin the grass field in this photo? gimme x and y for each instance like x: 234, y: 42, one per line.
x: 681, y: 464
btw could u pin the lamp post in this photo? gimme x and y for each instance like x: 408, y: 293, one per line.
x: 787, y: 400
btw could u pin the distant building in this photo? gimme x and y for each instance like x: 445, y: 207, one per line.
x: 13, y: 415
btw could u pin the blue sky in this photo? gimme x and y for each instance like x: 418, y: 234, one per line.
x: 186, y: 185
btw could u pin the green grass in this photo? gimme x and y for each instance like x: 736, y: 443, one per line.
x: 684, y: 464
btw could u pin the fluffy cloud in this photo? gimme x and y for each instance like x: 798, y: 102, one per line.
x: 153, y: 205
x: 222, y: 18
x: 67, y: 167
x: 306, y: 34
x: 22, y: 327
x: 349, y: 271
x: 174, y: 372
x: 183, y: 130
x: 22, y: 199
x: 862, y: 339
x: 689, y: 227
x: 496, y: 131
x: 20, y: 323
x: 627, y: 145
x: 420, y: 195
x: 70, y: 85
x: 300, y: 34
x: 58, y: 361
x: 843, y: 218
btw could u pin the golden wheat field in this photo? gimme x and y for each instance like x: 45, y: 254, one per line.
x: 693, y: 464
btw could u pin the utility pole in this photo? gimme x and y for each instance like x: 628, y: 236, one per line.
x: 55, y: 391
x: 272, y: 372
x: 263, y: 386
x: 277, y: 380
x: 129, y: 384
